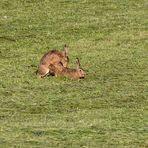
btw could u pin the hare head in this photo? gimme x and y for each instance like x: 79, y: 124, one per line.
x: 65, y: 58
x: 79, y: 70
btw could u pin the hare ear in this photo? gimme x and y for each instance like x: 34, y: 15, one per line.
x: 78, y: 63
x: 65, y: 50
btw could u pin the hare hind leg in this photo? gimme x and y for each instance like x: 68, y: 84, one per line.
x: 43, y: 70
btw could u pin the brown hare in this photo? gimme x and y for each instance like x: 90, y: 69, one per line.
x: 60, y: 70
x: 52, y: 58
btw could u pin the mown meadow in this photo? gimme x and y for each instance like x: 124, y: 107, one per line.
x: 107, y: 109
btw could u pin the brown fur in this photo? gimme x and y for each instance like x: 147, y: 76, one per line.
x: 60, y: 70
x: 52, y: 58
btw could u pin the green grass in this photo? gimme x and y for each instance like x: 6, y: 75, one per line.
x: 107, y: 109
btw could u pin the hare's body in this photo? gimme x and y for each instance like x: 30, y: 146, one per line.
x: 60, y: 70
x: 72, y: 73
x: 52, y: 58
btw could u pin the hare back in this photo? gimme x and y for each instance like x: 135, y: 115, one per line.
x: 51, y: 57
x: 72, y: 73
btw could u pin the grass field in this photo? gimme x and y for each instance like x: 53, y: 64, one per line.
x: 107, y: 109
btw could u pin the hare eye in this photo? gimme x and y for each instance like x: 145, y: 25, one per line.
x: 67, y: 59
